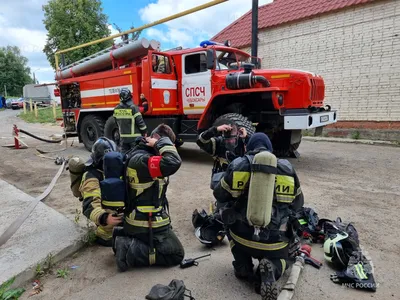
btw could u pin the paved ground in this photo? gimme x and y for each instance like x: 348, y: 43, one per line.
x: 356, y: 182
x: 35, y: 240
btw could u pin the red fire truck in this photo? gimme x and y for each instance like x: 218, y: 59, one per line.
x: 195, y: 89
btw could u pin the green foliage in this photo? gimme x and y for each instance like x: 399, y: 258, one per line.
x: 15, y: 72
x: 45, y: 115
x: 10, y: 294
x: 39, y: 271
x: 63, y: 273
x: 73, y: 22
x: 355, y: 135
x: 90, y: 237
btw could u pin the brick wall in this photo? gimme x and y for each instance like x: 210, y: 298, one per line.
x: 356, y: 50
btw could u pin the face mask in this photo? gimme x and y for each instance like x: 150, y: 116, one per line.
x: 230, y: 139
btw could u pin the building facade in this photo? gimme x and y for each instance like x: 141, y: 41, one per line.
x: 356, y: 49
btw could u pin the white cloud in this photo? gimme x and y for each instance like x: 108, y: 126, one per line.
x: 21, y: 24
x: 114, y: 31
x: 190, y: 30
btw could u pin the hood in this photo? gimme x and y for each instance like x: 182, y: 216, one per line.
x: 259, y: 140
x: 113, y: 165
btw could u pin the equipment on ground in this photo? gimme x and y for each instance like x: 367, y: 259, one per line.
x: 195, y: 88
x: 189, y: 262
x: 174, y: 291
x: 287, y: 291
x: 338, y: 249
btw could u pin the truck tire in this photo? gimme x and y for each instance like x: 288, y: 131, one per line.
x: 238, y: 119
x: 91, y: 129
x: 282, y: 146
x: 111, y: 130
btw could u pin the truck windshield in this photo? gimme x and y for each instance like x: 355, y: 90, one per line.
x: 230, y: 60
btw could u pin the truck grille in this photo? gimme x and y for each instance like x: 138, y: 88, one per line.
x: 317, y: 91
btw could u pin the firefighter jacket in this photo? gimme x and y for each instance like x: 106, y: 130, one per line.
x: 210, y: 142
x: 92, y: 206
x: 232, y: 191
x: 147, y: 179
x: 130, y: 122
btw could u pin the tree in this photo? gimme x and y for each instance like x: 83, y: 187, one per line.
x: 14, y: 72
x: 71, y: 23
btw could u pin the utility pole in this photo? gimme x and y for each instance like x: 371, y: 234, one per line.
x: 34, y: 78
x: 5, y: 90
x: 254, y: 32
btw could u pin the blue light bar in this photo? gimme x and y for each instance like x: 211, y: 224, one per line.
x: 208, y: 43
x: 211, y: 43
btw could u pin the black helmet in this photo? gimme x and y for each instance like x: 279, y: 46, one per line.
x: 125, y: 95
x: 102, y: 146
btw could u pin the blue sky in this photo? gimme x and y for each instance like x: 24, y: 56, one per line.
x: 21, y: 24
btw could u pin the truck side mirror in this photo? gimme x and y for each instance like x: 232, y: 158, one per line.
x: 210, y: 59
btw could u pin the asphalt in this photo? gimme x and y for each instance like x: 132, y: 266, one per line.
x: 45, y: 233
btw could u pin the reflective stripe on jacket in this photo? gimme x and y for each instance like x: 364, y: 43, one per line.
x: 130, y: 122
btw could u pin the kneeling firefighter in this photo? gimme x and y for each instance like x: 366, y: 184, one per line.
x: 225, y: 143
x: 261, y: 195
x: 147, y: 237
x: 101, y: 192
x: 129, y: 119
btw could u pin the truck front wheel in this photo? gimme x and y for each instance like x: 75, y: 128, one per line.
x: 91, y: 129
x: 286, y: 143
x: 238, y: 119
x: 111, y: 130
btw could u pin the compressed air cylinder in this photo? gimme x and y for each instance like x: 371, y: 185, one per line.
x: 76, y: 166
x: 261, y: 191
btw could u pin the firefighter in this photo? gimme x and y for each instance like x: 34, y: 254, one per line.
x: 92, y: 207
x: 147, y: 237
x: 274, y: 244
x: 224, y: 148
x: 158, y: 66
x: 129, y: 120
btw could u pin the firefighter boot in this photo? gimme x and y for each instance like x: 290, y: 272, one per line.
x: 117, y: 231
x: 269, y: 290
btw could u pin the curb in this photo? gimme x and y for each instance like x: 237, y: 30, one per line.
x: 30, y: 272
x: 351, y: 141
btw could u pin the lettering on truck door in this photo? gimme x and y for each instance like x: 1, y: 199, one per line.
x: 196, y: 83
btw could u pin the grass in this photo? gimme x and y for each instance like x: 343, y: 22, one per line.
x: 7, y: 294
x: 45, y: 115
x: 62, y: 273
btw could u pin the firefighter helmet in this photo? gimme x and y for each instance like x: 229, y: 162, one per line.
x: 338, y: 249
x: 125, y: 95
x: 102, y: 146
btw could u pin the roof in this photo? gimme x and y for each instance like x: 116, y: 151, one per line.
x: 277, y: 13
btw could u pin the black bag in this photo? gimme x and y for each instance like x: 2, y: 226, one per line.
x: 174, y: 291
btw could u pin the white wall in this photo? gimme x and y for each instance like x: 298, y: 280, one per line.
x: 356, y: 50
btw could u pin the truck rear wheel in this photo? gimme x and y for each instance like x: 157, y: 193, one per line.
x: 238, y: 119
x: 111, y: 130
x: 92, y: 128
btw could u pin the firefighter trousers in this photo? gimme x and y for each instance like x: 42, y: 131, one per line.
x: 243, y: 263
x: 135, y: 251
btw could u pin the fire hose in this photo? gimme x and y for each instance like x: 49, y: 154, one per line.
x: 20, y: 220
x: 39, y: 138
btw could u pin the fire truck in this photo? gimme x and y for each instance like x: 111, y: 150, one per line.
x: 195, y: 89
